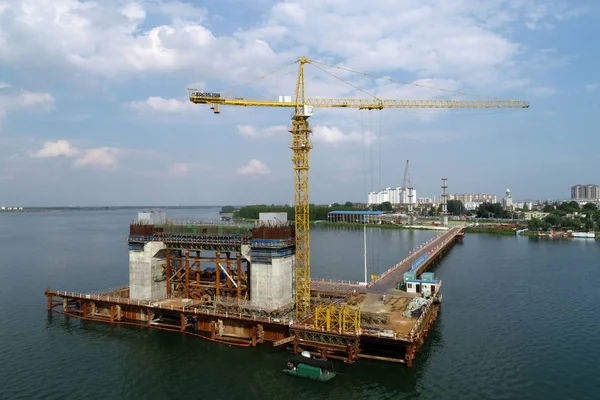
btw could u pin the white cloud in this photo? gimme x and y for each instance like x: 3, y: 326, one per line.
x: 543, y: 14
x: 11, y: 101
x: 181, y: 170
x: 253, y: 132
x: 102, y: 157
x: 134, y: 12
x: 463, y: 40
x: 592, y: 86
x: 254, y: 167
x: 110, y: 39
x: 56, y: 148
x: 43, y: 101
x: 542, y: 91
x: 334, y: 135
x: 289, y: 11
x: 161, y: 105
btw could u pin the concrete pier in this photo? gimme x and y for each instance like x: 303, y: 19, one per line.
x: 146, y: 268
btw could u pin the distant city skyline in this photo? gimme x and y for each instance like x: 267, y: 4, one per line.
x: 419, y: 199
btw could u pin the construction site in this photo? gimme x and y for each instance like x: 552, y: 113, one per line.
x: 235, y: 284
x: 245, y: 285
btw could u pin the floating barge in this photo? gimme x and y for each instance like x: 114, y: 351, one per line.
x: 235, y: 285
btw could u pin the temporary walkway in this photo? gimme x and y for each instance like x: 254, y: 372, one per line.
x: 418, y: 260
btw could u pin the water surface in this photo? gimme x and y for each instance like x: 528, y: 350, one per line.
x: 520, y: 320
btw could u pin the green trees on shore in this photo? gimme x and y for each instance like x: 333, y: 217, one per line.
x: 253, y: 212
x: 317, y: 212
x: 385, y: 206
x: 456, y: 207
x: 568, y: 215
x: 492, y: 210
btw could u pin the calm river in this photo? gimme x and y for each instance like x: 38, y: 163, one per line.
x: 520, y: 320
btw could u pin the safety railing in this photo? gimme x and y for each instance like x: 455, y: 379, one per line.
x: 156, y: 304
x: 416, y: 253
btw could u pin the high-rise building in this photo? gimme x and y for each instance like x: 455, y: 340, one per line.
x: 585, y: 192
x: 393, y: 195
x: 472, y: 200
x: 577, y: 192
x: 593, y: 192
x: 507, y: 201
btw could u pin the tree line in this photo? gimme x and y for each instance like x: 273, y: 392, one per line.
x: 568, y: 215
x: 316, y: 212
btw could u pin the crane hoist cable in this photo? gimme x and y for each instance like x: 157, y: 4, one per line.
x: 402, y: 82
x: 347, y: 83
x: 260, y: 78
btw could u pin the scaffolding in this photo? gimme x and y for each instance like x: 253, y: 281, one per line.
x: 193, y: 276
x: 336, y: 317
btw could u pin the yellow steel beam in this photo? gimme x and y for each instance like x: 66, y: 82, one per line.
x: 373, y: 104
x: 362, y: 104
x: 301, y: 163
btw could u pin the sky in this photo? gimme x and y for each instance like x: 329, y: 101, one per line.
x: 94, y: 108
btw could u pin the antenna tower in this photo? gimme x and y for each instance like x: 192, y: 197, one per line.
x: 444, y: 213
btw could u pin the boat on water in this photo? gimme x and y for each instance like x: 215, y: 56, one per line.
x: 588, y: 235
x: 311, y: 368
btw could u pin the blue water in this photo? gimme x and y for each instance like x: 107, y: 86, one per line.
x: 520, y: 320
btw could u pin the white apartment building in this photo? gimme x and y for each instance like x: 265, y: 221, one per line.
x: 472, y: 200
x: 393, y: 195
x: 585, y: 192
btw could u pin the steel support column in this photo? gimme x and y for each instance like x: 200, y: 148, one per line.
x: 218, y: 275
x: 168, y: 271
x: 187, y: 274
x: 239, y: 275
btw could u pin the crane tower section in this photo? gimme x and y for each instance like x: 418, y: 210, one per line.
x: 301, y: 163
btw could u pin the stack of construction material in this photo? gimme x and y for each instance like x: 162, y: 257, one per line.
x: 413, y: 309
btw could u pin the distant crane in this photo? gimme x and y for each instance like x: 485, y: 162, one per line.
x: 405, y: 183
x: 408, y: 194
x: 301, y: 145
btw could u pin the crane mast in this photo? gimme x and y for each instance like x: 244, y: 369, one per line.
x: 301, y: 146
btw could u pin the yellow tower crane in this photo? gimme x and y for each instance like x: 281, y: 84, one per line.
x: 301, y: 146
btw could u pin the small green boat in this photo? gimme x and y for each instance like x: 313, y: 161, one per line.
x: 311, y: 368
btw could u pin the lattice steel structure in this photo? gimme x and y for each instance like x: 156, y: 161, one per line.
x: 223, y: 275
x: 337, y: 318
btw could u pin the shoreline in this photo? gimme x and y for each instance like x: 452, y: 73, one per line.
x: 382, y: 226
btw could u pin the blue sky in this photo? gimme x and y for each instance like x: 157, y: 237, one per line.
x: 94, y: 109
